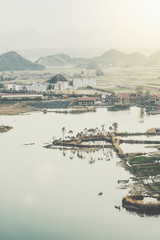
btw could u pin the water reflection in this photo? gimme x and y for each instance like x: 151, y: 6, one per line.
x: 119, y: 108
x: 142, y: 115
x: 140, y: 214
x: 91, y: 155
x: 52, y: 194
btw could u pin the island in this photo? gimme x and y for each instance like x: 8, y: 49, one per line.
x: 4, y: 129
x: 145, y: 167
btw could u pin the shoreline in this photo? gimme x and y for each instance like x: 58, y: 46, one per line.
x: 15, y: 108
x: 20, y: 107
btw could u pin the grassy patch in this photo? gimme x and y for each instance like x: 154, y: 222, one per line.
x: 142, y: 160
x: 155, y: 187
x: 145, y: 171
x: 157, y: 184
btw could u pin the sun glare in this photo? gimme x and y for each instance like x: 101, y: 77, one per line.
x: 151, y: 7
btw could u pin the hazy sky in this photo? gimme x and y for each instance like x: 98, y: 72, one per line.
x: 130, y: 23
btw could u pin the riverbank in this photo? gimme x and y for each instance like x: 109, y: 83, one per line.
x: 72, y: 111
x: 58, y: 106
x: 15, y: 108
x: 136, y: 203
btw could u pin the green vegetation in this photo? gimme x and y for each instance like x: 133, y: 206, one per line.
x: 157, y: 184
x: 142, y: 160
x: 57, y: 78
x: 55, y: 60
x: 5, y: 129
x: 155, y: 187
x: 110, y: 58
x: 145, y: 171
x: 13, y: 61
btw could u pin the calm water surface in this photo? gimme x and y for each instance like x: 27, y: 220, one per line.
x: 51, y: 194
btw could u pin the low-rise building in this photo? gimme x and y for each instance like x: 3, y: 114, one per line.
x: 16, y: 87
x: 21, y: 96
x: 36, y: 87
x: 61, y: 85
x: 154, y: 99
x: 118, y: 98
x: 83, y: 83
x: 32, y: 87
x: 87, y: 101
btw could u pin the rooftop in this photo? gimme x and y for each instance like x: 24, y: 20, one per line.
x: 123, y: 95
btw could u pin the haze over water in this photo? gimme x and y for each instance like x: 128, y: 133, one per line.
x: 126, y: 25
x: 52, y: 194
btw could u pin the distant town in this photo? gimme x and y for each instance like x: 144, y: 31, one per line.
x: 46, y: 86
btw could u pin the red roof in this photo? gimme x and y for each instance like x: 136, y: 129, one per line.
x: 157, y: 96
x: 123, y: 95
x: 85, y: 98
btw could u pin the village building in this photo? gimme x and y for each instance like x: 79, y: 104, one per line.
x: 87, y: 101
x: 21, y: 96
x: 61, y: 85
x: 118, y: 98
x: 16, y: 87
x: 154, y: 99
x: 32, y: 87
x: 36, y: 87
x: 83, y: 83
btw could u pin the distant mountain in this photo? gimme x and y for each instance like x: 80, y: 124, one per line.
x: 116, y: 58
x: 57, y: 78
x: 112, y: 57
x: 13, y: 61
x: 154, y: 58
x: 36, y: 53
x: 137, y: 58
x: 55, y: 60
x: 113, y: 54
x: 61, y: 60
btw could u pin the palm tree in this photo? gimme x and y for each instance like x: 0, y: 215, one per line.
x: 110, y: 128
x: 63, y: 132
x: 115, y: 126
x: 102, y: 128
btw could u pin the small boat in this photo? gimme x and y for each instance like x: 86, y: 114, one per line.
x: 44, y: 111
x: 123, y: 181
x: 100, y: 194
x: 118, y: 207
x: 29, y: 144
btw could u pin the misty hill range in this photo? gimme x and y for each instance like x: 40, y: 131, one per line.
x: 12, y: 61
x: 113, y: 58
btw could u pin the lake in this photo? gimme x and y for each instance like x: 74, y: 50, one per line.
x: 53, y: 194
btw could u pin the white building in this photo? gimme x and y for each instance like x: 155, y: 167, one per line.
x: 33, y: 87
x: 22, y: 96
x: 36, y: 87
x: 83, y: 83
x: 16, y: 87
x: 61, y: 85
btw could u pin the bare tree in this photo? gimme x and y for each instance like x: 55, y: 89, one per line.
x: 63, y: 132
x: 115, y: 126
